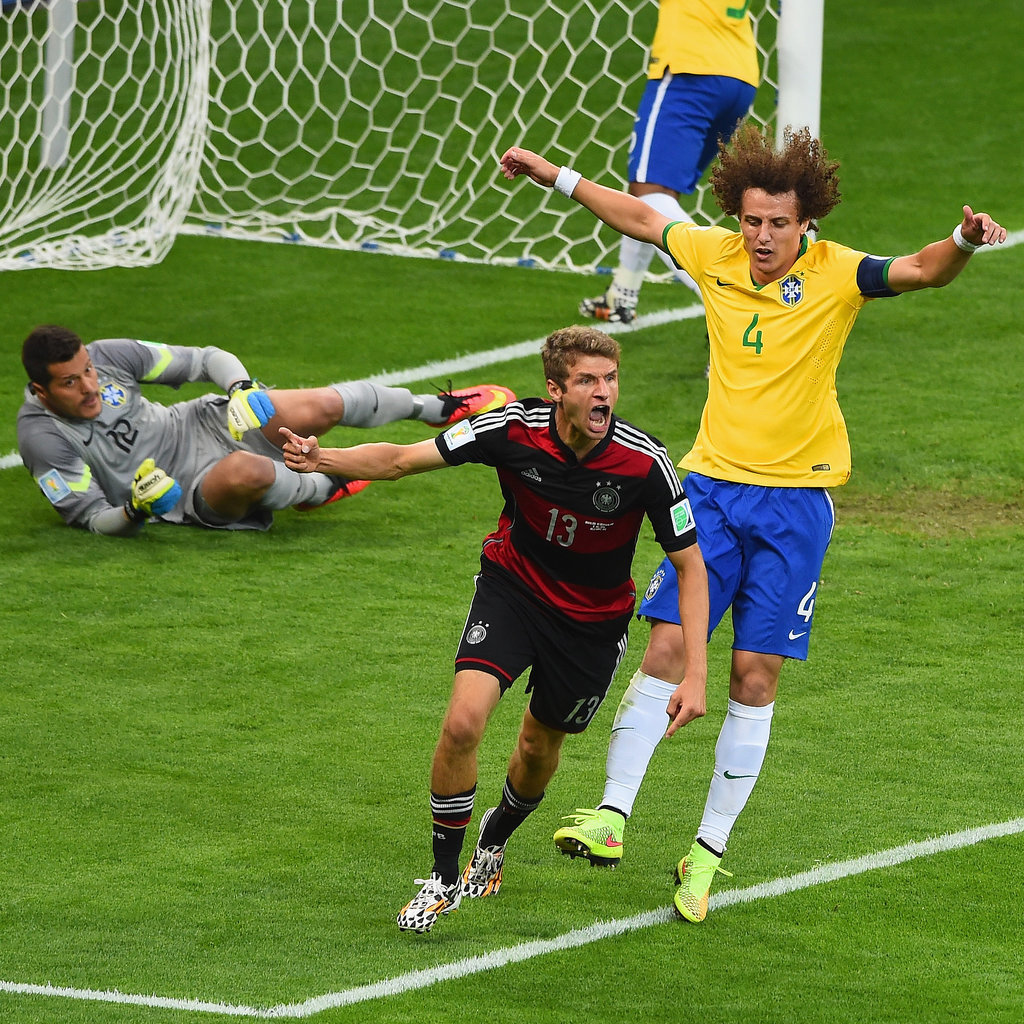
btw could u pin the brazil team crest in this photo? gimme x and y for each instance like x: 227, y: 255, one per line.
x: 791, y: 289
x: 113, y: 394
x: 656, y: 581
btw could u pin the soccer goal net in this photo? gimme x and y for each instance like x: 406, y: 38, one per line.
x: 356, y: 124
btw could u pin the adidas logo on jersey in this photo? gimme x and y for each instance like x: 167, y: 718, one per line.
x: 531, y: 474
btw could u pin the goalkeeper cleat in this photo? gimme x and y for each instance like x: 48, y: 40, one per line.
x: 596, y: 835
x: 434, y: 899
x: 695, y: 873
x: 600, y: 308
x: 344, y: 488
x: 482, y: 876
x: 457, y: 405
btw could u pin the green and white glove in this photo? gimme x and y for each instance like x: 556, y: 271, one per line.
x: 153, y: 492
x: 249, y: 407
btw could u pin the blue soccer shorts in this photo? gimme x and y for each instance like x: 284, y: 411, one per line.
x: 678, y: 125
x: 764, y: 548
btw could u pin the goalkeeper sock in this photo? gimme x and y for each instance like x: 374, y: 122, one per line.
x: 739, y: 754
x: 639, y: 725
x: 370, y: 405
x: 290, y: 488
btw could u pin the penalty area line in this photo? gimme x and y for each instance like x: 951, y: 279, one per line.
x: 528, y: 950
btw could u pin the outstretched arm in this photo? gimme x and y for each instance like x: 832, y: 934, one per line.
x: 938, y: 263
x: 689, y: 699
x: 381, y: 461
x: 619, y: 210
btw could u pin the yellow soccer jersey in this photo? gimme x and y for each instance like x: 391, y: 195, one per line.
x: 704, y: 37
x: 772, y: 415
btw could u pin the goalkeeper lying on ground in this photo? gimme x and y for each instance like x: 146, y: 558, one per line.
x: 108, y: 459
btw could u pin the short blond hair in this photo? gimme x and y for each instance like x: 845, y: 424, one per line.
x: 563, y: 347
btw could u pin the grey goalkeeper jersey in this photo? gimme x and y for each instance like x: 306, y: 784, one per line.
x: 86, y: 466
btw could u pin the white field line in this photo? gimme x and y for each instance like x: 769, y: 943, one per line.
x: 527, y: 950
x: 522, y: 349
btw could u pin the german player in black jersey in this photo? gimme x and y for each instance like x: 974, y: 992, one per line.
x: 554, y: 592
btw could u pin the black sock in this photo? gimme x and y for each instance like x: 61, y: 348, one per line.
x: 450, y: 816
x: 510, y: 814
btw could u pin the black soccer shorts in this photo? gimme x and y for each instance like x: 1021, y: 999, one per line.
x: 572, y: 663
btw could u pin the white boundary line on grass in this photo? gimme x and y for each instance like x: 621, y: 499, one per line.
x: 522, y: 349
x: 527, y: 950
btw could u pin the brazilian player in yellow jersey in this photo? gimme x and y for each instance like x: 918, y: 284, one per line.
x: 702, y: 77
x: 779, y: 308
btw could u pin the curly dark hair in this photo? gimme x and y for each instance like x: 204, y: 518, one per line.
x: 801, y: 166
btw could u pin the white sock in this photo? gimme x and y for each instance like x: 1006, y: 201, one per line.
x: 739, y: 754
x: 640, y: 723
x: 668, y: 206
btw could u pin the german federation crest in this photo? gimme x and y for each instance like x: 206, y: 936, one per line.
x: 606, y: 498
x: 791, y: 289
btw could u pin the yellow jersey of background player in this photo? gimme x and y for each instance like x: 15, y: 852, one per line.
x: 704, y: 37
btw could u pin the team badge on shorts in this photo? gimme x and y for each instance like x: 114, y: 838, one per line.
x: 476, y: 633
x: 113, y: 395
x: 656, y: 581
x: 791, y: 289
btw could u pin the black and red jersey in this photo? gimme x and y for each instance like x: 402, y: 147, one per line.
x: 569, y: 527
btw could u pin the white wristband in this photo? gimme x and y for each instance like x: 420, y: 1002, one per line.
x: 566, y: 181
x: 961, y: 243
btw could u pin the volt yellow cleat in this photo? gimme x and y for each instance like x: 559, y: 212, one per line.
x: 695, y: 873
x: 596, y: 835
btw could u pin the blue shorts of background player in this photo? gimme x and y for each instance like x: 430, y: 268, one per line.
x: 678, y: 125
x: 764, y: 548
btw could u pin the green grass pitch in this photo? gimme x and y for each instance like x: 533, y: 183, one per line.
x: 215, y: 748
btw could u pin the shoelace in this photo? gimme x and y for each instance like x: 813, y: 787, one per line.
x: 715, y: 870
x: 582, y: 814
x: 452, y: 402
x: 435, y: 887
x: 485, y: 863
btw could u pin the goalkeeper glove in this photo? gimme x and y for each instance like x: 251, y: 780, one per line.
x: 248, y: 408
x: 153, y: 493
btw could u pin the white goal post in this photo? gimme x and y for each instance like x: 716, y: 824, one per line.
x: 358, y: 124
